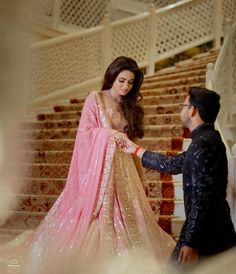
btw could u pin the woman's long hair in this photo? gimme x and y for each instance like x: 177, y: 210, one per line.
x: 132, y: 110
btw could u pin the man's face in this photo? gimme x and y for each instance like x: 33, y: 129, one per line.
x: 185, y: 114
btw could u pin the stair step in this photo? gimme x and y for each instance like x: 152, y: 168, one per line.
x: 157, y: 144
x: 166, y: 131
x: 62, y: 124
x: 164, y: 99
x: 22, y: 220
x: 174, y: 82
x: 161, y: 109
x: 170, y: 90
x: 49, y: 145
x: 43, y: 186
x: 67, y: 115
x: 49, y: 157
x: 35, y: 203
x: 162, y: 119
x: 175, y: 75
x: 38, y: 134
x: 50, y: 171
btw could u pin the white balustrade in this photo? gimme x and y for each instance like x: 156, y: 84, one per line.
x: 67, y: 63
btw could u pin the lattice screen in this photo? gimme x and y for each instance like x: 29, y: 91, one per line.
x: 187, y: 24
x: 131, y: 40
x: 229, y: 11
x: 43, y: 8
x: 65, y: 64
x: 83, y: 13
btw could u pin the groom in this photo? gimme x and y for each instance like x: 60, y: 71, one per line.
x: 208, y: 228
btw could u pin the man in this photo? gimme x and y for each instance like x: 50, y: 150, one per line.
x: 208, y: 228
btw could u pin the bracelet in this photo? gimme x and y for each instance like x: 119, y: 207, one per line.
x: 136, y: 151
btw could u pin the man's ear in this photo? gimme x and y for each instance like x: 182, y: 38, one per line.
x: 193, y: 111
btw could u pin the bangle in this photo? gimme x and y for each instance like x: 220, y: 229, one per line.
x: 136, y: 151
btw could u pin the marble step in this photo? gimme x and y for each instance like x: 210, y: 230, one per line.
x: 175, y: 82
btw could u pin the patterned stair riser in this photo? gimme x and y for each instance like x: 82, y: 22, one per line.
x: 176, y: 75
x: 170, y: 90
x: 176, y: 82
x: 48, y: 145
x: 164, y: 99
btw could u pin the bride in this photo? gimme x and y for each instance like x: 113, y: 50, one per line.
x: 103, y: 211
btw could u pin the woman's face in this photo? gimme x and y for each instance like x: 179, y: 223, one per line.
x: 123, y: 83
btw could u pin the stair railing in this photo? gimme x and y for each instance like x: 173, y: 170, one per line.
x: 74, y: 64
x: 221, y: 78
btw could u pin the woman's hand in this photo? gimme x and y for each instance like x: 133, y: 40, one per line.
x: 125, y: 144
x: 120, y: 139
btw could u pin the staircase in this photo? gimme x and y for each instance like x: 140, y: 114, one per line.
x: 48, y: 140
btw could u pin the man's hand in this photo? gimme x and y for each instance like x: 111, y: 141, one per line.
x: 187, y: 255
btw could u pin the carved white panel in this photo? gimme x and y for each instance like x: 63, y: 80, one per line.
x: 188, y: 24
x: 82, y: 13
x: 65, y: 64
x: 43, y: 8
x: 229, y: 11
x: 131, y: 39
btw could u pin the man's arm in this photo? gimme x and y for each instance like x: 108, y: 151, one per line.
x: 154, y: 160
x: 158, y: 161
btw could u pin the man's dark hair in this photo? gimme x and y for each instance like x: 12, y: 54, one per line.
x: 207, y: 103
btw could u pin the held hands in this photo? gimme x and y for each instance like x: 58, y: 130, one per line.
x: 124, y: 143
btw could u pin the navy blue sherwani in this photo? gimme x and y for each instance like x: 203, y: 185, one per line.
x: 208, y: 226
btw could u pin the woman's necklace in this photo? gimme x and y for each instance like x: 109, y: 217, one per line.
x: 114, y: 100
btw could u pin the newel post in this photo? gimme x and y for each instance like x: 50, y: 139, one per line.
x: 210, y: 76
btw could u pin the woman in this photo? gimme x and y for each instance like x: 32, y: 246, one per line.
x: 103, y: 209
